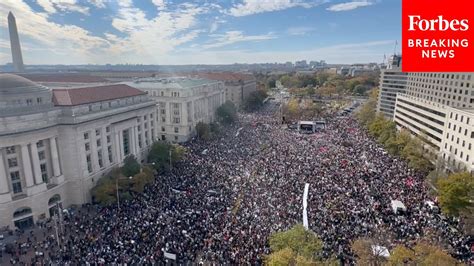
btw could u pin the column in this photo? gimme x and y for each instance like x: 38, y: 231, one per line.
x: 143, y: 136
x: 105, y: 145
x: 4, y: 188
x: 94, y: 158
x: 25, y: 158
x: 54, y: 156
x: 133, y: 142
x: 116, y: 147
x: 36, y: 163
x: 120, y: 146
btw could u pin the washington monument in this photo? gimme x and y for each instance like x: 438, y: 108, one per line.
x: 15, y: 44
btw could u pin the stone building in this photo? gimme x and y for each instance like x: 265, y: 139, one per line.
x: 56, y: 144
x: 182, y: 103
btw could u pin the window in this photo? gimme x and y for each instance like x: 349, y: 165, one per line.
x: 86, y: 135
x: 99, y: 157
x: 97, y: 132
x: 176, y: 138
x: 12, y: 162
x: 109, y: 151
x: 16, y: 182
x: 98, y: 143
x: 11, y: 150
x: 89, y: 163
x: 87, y: 147
x: 176, y: 120
x: 108, y: 139
x: 163, y: 129
x: 29, y: 101
x: 126, y: 142
x: 41, y: 155
x: 107, y: 129
x: 44, y: 173
x: 40, y: 144
x: 39, y: 100
x: 176, y: 130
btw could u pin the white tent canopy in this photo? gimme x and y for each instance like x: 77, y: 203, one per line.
x: 398, y: 206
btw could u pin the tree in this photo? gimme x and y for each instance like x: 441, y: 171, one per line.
x: 177, y: 152
x: 293, y: 107
x: 203, y: 131
x: 140, y: 180
x: 105, y: 191
x: 130, y: 166
x: 422, y: 254
x: 297, y: 242
x: 227, y: 113
x: 255, y: 100
x: 271, y: 83
x: 360, y: 89
x: 159, y: 155
x: 401, y: 255
x: 367, y: 113
x: 362, y: 247
x: 160, y: 152
x: 415, y: 153
x: 456, y: 193
x: 395, y: 144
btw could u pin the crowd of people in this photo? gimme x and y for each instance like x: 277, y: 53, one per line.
x: 224, y: 200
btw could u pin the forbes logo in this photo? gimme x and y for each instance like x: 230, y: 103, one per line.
x: 439, y: 24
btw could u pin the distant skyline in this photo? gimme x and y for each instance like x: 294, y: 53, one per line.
x: 172, y: 32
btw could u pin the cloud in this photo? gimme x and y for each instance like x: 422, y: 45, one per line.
x: 349, y: 6
x: 160, y: 4
x: 152, y: 38
x: 231, y: 37
x: 250, y: 7
x: 98, y: 3
x: 299, y: 31
x: 52, y: 6
x: 36, y: 29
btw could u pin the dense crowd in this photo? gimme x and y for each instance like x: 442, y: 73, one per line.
x: 224, y: 200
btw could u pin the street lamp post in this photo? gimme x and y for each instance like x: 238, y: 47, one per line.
x: 117, y: 190
x: 171, y: 165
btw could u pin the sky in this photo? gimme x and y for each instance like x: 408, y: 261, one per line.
x: 177, y: 32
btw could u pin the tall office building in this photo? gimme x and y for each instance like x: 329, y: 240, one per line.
x: 15, y: 44
x: 440, y: 106
x: 392, y: 81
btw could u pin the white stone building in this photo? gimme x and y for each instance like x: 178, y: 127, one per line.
x: 56, y: 144
x: 182, y: 103
x: 440, y: 106
x: 238, y: 86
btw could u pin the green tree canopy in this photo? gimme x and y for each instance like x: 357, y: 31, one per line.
x: 296, y: 242
x: 203, y: 131
x: 456, y: 193
x: 130, y: 166
x: 255, y: 100
x: 227, y: 113
x: 160, y: 152
x: 422, y: 254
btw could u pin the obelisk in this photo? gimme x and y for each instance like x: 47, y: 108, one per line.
x: 15, y: 44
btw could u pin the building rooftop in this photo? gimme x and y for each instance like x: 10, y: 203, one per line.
x: 169, y: 83
x: 78, y: 96
x: 64, y: 78
x: 226, y: 76
x: 11, y: 84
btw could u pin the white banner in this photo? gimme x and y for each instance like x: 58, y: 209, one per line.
x: 305, y: 205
